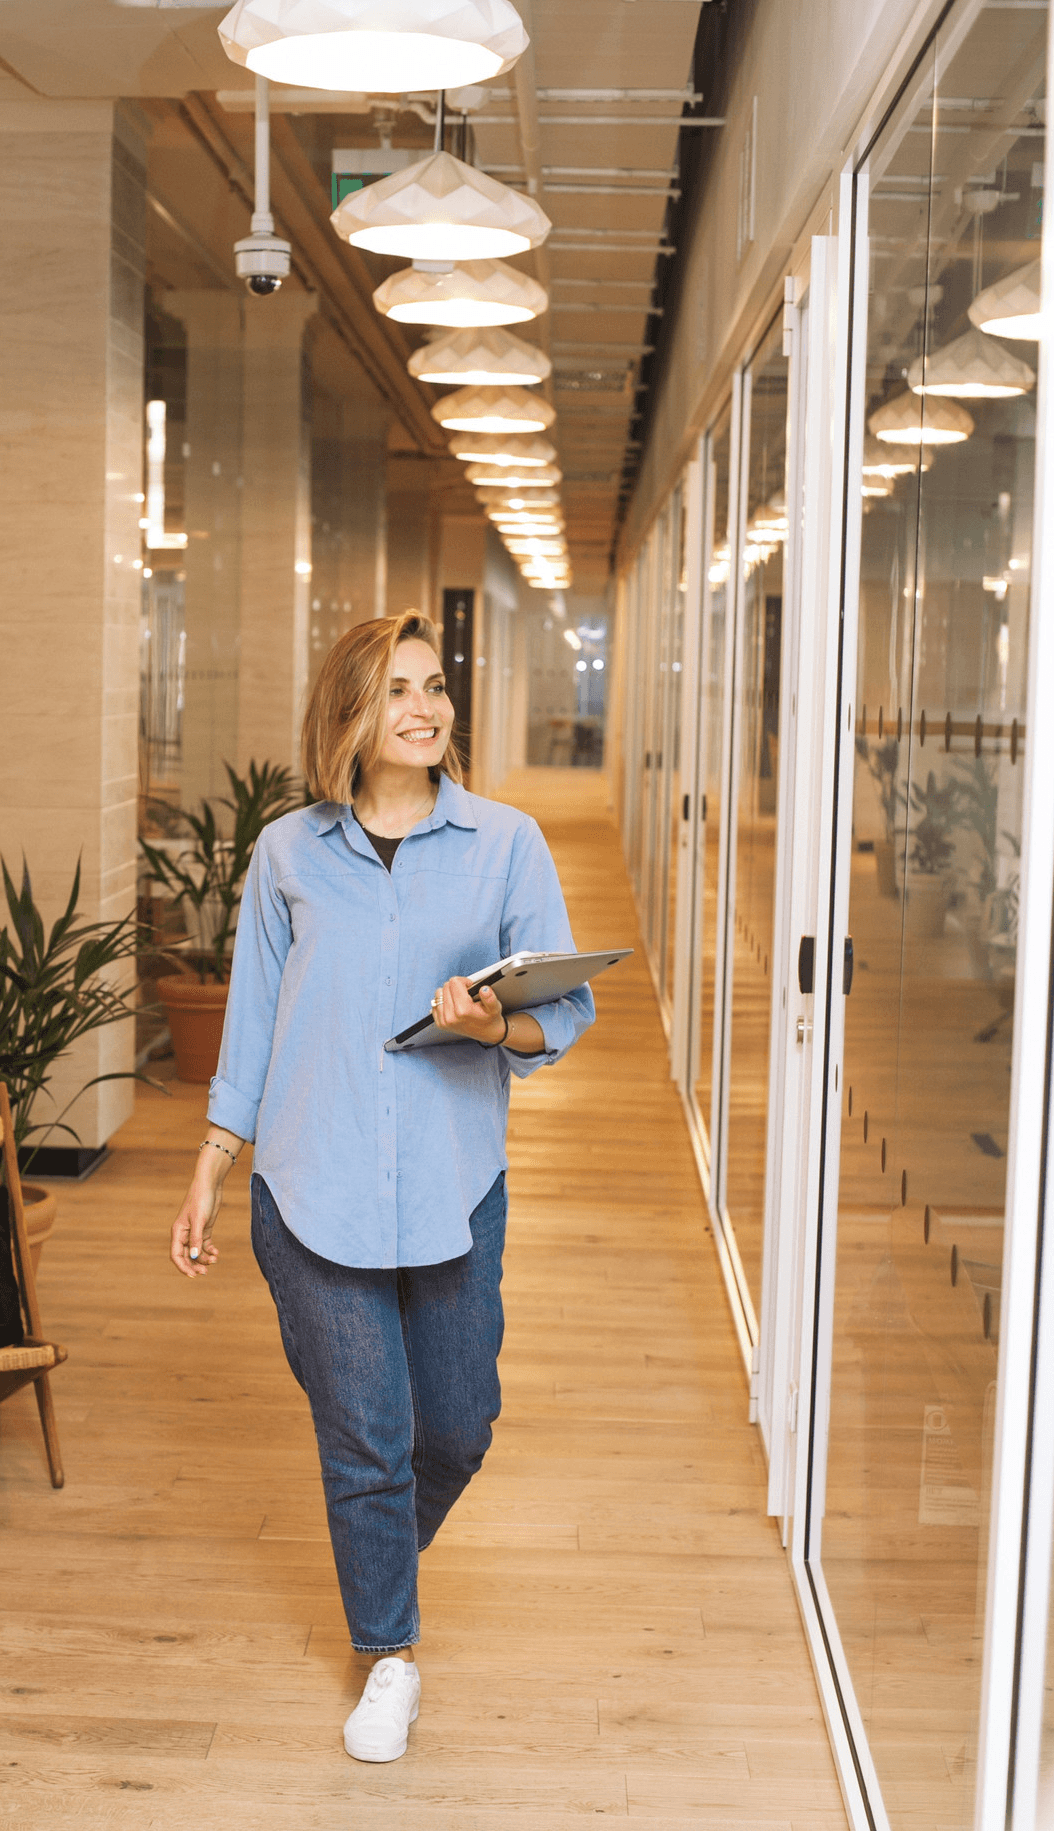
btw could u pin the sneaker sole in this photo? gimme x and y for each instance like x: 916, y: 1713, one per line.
x: 378, y: 1752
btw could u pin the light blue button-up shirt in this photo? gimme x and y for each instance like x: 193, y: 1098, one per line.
x: 377, y: 1159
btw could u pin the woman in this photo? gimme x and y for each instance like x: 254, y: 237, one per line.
x: 378, y: 1188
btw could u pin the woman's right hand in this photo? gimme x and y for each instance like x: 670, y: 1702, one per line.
x: 192, y: 1250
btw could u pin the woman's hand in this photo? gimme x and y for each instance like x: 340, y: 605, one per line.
x: 192, y: 1250
x: 480, y: 1018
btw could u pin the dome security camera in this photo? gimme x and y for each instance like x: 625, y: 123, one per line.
x: 262, y: 261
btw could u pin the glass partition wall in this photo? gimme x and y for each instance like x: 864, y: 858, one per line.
x: 753, y: 795
x: 950, y: 200
x: 655, y: 610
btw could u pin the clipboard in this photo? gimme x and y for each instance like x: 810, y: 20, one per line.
x: 520, y: 982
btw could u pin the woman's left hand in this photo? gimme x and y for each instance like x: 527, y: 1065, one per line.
x: 480, y: 1018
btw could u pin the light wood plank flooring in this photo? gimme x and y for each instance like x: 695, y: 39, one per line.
x: 609, y: 1626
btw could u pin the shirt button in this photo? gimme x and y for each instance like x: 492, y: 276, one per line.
x: 387, y: 982
x: 391, y: 918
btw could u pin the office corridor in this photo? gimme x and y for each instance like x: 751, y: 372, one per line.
x: 609, y: 1624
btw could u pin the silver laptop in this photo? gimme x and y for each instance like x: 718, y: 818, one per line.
x: 521, y: 981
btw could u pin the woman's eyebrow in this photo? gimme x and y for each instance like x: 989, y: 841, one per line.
x: 400, y: 680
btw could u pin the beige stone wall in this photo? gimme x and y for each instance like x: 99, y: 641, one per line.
x: 71, y: 404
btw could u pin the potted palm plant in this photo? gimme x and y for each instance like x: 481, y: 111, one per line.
x: 207, y: 876
x: 55, y: 987
x: 883, y: 762
x: 930, y: 855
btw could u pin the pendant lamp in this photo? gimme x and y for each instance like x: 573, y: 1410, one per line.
x: 538, y: 549
x: 546, y: 497
x: 528, y: 524
x: 485, y: 478
x: 902, y: 421
x: 1013, y: 307
x: 480, y: 359
x: 379, y: 47
x: 493, y: 410
x: 513, y: 451
x: 440, y: 210
x: 471, y: 295
x: 882, y: 463
x: 973, y: 368
x: 512, y: 519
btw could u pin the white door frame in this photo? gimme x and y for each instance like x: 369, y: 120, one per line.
x: 688, y: 878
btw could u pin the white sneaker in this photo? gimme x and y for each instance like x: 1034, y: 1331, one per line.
x: 377, y: 1727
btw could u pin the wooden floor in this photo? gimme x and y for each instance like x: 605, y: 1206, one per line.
x: 609, y: 1626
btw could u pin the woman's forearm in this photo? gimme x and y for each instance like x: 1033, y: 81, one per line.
x: 525, y: 1036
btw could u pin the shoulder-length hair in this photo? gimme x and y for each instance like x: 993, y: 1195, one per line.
x: 347, y: 715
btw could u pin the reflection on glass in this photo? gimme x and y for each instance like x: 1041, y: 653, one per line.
x: 678, y: 586
x: 711, y: 728
x: 955, y: 189
x: 756, y: 744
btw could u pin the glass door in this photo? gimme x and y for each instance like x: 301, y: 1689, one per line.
x: 711, y: 746
x: 753, y: 800
x: 955, y: 215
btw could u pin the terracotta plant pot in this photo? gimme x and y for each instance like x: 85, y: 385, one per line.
x: 886, y: 867
x: 195, y: 1015
x: 41, y: 1210
x: 927, y: 906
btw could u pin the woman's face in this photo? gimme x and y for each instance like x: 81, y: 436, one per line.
x: 420, y: 716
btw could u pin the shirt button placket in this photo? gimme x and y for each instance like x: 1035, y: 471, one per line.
x: 387, y: 1156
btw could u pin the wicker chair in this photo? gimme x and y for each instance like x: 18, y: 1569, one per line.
x: 30, y: 1360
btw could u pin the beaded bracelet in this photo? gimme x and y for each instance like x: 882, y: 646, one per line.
x: 216, y: 1147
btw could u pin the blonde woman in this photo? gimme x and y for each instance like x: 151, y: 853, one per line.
x: 378, y: 1188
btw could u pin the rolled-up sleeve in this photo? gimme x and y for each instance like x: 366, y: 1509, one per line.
x: 263, y: 940
x: 534, y: 920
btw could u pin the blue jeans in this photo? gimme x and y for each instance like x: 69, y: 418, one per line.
x: 400, y: 1368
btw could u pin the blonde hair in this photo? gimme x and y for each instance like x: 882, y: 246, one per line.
x: 347, y: 716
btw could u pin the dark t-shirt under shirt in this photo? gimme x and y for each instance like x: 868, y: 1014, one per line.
x: 384, y: 848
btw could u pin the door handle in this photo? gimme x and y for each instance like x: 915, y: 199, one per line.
x: 847, y: 966
x: 807, y: 964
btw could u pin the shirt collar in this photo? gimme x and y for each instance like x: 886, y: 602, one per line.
x: 453, y: 808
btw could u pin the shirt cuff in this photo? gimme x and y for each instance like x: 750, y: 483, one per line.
x: 234, y: 1111
x: 558, y: 1030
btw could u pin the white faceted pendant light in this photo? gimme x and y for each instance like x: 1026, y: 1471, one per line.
x: 493, y: 410
x: 472, y: 295
x: 882, y: 464
x: 972, y: 368
x: 440, y: 210
x: 520, y: 451
x: 485, y: 478
x: 382, y: 47
x: 906, y: 421
x: 480, y: 359
x: 1013, y: 307
x: 545, y: 498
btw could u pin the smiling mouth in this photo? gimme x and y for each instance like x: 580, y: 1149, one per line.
x: 419, y: 737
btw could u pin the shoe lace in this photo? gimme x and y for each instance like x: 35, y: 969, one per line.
x: 381, y: 1677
